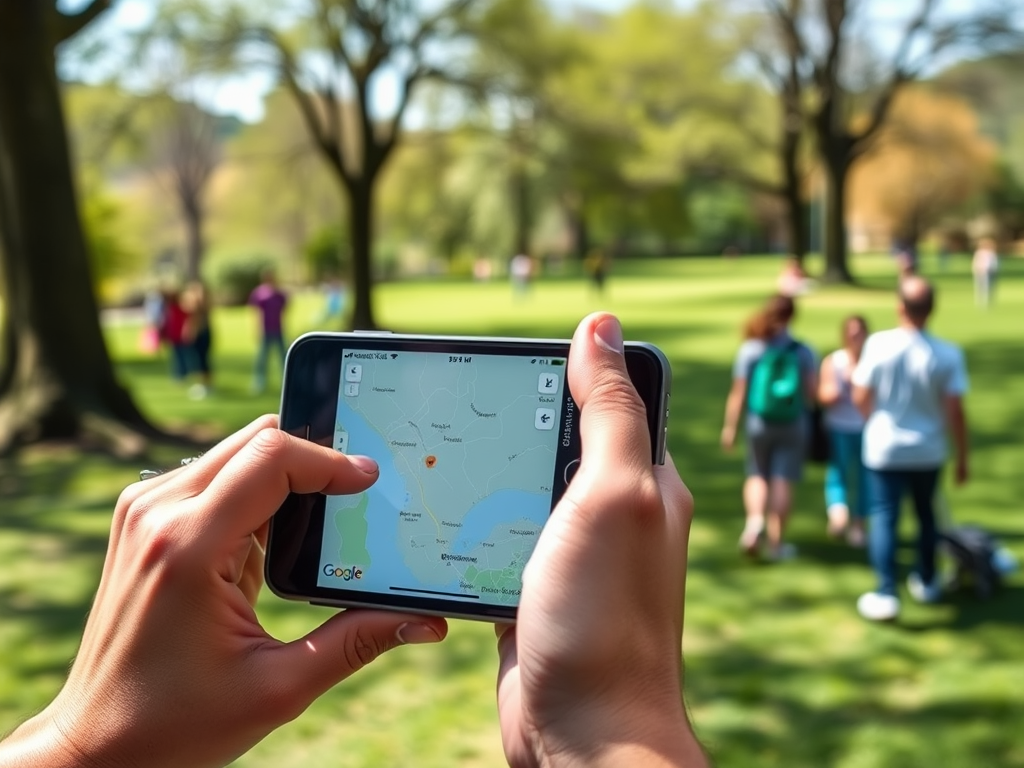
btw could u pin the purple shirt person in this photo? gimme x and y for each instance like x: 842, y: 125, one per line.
x: 270, y: 301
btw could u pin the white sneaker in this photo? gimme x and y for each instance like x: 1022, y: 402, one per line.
x: 924, y: 593
x: 874, y: 606
x: 750, y: 539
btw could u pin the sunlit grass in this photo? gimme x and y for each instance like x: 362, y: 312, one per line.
x: 780, y: 671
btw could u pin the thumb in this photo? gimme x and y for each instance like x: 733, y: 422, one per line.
x: 346, y: 643
x: 613, y: 418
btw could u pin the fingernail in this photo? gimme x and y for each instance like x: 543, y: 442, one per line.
x: 608, y: 334
x: 417, y: 634
x: 364, y: 463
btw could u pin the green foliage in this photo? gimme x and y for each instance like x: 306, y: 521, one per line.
x: 109, y: 256
x: 327, y: 253
x: 236, y: 279
x: 721, y: 216
x: 1006, y: 200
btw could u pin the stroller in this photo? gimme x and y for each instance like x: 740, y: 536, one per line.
x: 974, y: 556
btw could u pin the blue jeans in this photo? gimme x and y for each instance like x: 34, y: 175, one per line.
x: 266, y: 344
x: 845, y: 478
x: 886, y: 489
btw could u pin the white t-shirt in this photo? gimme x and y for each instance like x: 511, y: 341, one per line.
x: 910, y: 373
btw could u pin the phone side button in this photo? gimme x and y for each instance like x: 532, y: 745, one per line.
x: 570, y: 470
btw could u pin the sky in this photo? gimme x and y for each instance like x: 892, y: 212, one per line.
x: 242, y: 95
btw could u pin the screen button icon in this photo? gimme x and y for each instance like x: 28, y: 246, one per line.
x: 352, y: 390
x: 544, y: 419
x: 353, y: 372
x: 547, y: 384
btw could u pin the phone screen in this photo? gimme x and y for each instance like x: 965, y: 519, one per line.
x: 468, y: 446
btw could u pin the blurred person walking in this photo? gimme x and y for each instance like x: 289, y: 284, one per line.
x: 910, y: 385
x: 195, y: 301
x: 153, y: 311
x: 270, y: 301
x: 172, y: 330
x: 774, y: 382
x: 521, y: 272
x: 597, y: 266
x: 985, y: 266
x: 845, y: 479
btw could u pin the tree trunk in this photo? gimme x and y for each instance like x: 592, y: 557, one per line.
x: 59, y: 382
x: 520, y: 205
x: 795, y: 220
x: 576, y: 218
x: 360, y: 202
x: 192, y: 214
x: 836, y: 166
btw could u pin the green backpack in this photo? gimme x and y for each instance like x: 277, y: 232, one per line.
x: 775, y: 392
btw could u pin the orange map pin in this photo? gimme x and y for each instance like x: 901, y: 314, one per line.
x: 431, y: 461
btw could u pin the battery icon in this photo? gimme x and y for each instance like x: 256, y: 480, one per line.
x: 558, y: 361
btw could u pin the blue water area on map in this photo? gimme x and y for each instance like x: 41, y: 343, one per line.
x: 390, y: 494
x: 509, y: 505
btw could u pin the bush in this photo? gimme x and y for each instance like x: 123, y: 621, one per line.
x: 326, y: 253
x: 237, y: 279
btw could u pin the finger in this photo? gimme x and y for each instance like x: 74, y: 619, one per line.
x: 186, y: 481
x: 613, y: 418
x: 345, y: 643
x: 256, y: 480
x: 251, y: 579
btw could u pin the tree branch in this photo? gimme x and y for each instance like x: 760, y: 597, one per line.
x: 307, y: 107
x: 70, y: 24
x: 900, y: 76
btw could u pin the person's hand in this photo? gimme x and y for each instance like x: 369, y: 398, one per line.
x: 591, y: 674
x: 174, y: 668
x: 728, y: 438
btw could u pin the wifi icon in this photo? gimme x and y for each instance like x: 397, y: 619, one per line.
x: 393, y: 355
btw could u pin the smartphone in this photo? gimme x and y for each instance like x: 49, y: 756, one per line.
x: 477, y: 440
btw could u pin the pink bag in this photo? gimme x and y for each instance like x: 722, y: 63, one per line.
x: 149, y: 340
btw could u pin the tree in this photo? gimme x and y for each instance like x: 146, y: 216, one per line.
x: 927, y: 162
x: 332, y: 63
x: 780, y: 136
x: 56, y: 379
x: 823, y: 46
x: 187, y: 149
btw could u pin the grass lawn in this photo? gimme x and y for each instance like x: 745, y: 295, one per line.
x: 780, y: 670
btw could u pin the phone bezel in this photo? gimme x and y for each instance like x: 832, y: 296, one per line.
x: 309, y: 395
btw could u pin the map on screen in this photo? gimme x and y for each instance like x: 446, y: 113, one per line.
x: 466, y: 446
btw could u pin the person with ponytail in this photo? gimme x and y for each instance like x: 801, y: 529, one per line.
x: 774, y: 385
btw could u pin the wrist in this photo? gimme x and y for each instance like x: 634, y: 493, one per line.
x: 658, y: 738
x: 44, y: 742
x: 39, y: 742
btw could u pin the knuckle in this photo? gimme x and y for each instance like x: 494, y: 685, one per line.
x: 133, y: 513
x: 270, y: 444
x: 128, y: 498
x: 266, y: 421
x: 362, y: 649
x: 630, y: 494
x: 161, y: 539
x: 617, y: 394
